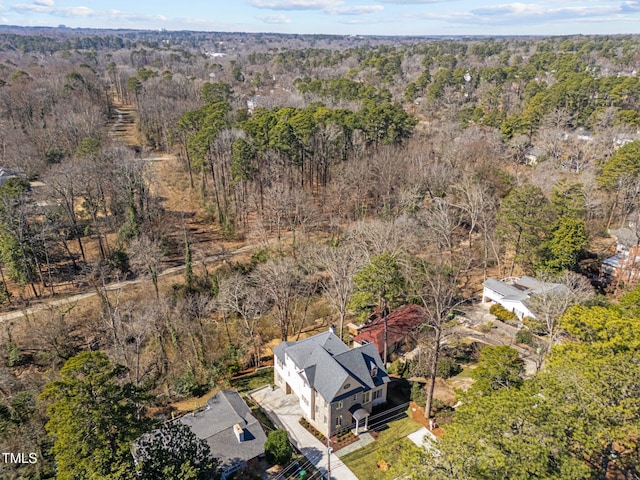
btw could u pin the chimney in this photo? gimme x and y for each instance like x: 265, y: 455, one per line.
x: 332, y: 329
x: 237, y: 429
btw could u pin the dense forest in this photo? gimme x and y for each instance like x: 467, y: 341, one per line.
x: 266, y: 185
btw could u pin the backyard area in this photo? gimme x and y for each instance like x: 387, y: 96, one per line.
x: 251, y: 381
x: 364, y: 462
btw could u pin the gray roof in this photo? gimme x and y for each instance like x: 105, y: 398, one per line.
x: 328, y: 363
x: 615, y: 261
x: 215, y: 425
x: 625, y: 237
x: 11, y: 172
x: 521, y: 289
x: 299, y: 351
x: 504, y: 289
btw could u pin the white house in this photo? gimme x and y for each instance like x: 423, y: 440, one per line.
x: 335, y: 385
x: 514, y: 293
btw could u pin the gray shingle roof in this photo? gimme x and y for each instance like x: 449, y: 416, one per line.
x: 358, y: 363
x: 215, y: 425
x: 328, y: 363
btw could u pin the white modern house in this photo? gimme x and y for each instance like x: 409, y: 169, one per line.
x: 335, y: 385
x: 514, y: 293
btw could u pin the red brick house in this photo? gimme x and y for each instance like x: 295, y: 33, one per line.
x: 400, y: 324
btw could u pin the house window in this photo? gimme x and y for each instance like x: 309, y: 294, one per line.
x: 377, y: 394
x: 366, y: 397
x: 339, y: 421
x: 355, y: 398
x: 324, y: 419
x: 304, y: 400
x: 339, y: 405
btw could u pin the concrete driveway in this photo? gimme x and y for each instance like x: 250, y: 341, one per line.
x: 285, y: 412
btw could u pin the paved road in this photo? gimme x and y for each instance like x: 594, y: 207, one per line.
x: 285, y: 412
x: 115, y: 286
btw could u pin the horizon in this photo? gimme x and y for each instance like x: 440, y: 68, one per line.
x: 388, y: 18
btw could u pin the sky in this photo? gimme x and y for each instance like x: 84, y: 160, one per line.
x: 357, y: 17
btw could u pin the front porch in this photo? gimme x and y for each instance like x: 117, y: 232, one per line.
x: 358, y: 413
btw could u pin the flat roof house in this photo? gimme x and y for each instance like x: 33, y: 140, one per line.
x: 514, y: 293
x: 335, y: 385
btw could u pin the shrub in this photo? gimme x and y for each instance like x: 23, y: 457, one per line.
x: 277, y: 448
x: 120, y: 260
x: 485, y: 328
x: 502, y: 313
x: 418, y: 394
x: 186, y: 384
x: 14, y: 357
x: 462, y: 351
x: 525, y: 336
x: 397, y: 368
x: 447, y: 367
x: 536, y: 326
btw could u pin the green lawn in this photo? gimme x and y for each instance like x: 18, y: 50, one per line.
x: 250, y: 382
x: 466, y: 371
x: 363, y: 462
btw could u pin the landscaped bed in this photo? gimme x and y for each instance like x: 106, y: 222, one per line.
x: 341, y: 440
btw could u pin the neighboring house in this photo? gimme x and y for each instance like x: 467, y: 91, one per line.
x: 514, y: 293
x: 335, y: 385
x: 6, y: 173
x: 625, y: 264
x: 400, y: 324
x: 234, y: 435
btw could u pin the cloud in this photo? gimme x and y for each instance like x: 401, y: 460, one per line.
x: 414, y: 2
x: 277, y: 19
x: 355, y: 10
x: 333, y: 7
x: 49, y: 8
x: 527, y: 12
x: 630, y: 7
x: 297, y: 4
x: 530, y: 14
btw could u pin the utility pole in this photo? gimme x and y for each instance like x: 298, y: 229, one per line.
x: 386, y: 334
x: 329, y: 451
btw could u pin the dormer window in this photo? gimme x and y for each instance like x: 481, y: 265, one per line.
x: 374, y: 371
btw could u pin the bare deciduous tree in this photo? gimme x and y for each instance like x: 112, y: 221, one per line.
x: 549, y: 306
x: 279, y: 280
x: 339, y: 265
x: 238, y: 295
x: 146, y: 256
x: 435, y: 287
